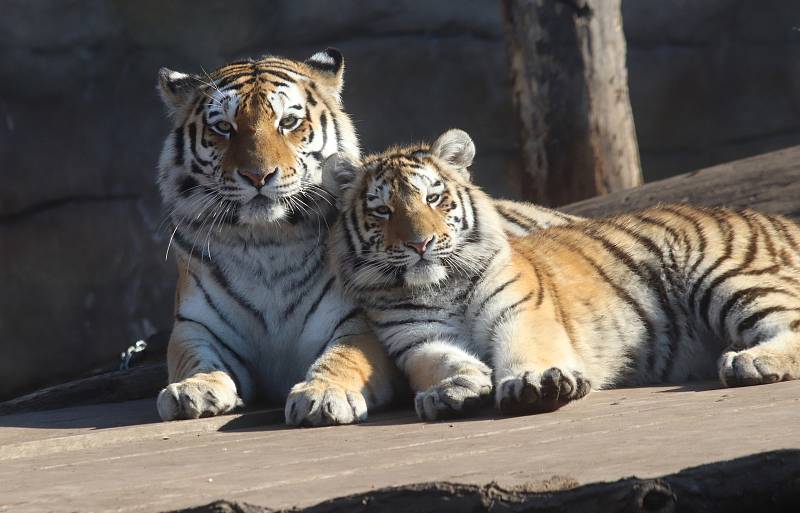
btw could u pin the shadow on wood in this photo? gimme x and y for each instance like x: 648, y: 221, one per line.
x: 761, y: 482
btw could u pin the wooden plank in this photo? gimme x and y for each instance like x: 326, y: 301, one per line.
x: 246, y: 458
x: 768, y: 182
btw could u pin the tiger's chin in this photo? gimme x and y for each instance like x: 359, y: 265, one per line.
x: 261, y: 210
x: 425, y: 274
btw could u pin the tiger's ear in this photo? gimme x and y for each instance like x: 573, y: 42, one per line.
x: 456, y: 148
x: 338, y: 175
x: 329, y: 65
x: 176, y: 88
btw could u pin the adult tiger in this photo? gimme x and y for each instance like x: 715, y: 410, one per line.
x: 257, y: 307
x: 666, y: 294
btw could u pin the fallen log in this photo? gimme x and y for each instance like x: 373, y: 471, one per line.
x: 140, y: 382
x: 761, y: 482
x: 768, y: 182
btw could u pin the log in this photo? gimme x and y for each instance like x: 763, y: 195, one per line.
x: 143, y: 381
x: 570, y: 88
x: 761, y: 482
x: 768, y: 182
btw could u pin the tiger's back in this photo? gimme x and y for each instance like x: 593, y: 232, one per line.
x: 658, y: 295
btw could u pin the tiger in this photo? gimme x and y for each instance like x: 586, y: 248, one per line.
x: 258, y: 313
x: 474, y: 316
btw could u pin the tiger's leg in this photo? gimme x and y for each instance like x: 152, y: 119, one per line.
x: 766, y: 337
x: 448, y: 381
x: 536, y: 366
x: 354, y: 375
x: 203, y: 382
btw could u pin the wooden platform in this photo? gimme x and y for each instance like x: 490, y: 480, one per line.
x: 118, y: 457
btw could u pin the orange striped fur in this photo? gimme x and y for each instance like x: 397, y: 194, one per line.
x: 667, y: 294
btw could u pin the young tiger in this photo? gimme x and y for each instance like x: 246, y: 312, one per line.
x: 257, y: 310
x: 666, y: 294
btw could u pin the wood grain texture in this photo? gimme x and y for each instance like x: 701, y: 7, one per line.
x: 119, y: 457
x: 570, y: 89
x: 760, y: 482
x: 768, y: 182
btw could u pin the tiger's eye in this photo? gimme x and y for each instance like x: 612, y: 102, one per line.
x: 433, y: 198
x: 222, y: 127
x: 289, y: 122
x: 383, y: 210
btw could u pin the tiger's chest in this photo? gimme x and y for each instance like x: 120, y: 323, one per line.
x: 282, y: 300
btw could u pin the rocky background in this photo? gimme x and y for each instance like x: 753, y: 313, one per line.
x: 83, y: 273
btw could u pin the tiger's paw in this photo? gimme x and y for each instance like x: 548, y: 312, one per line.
x: 533, y: 392
x: 755, y: 367
x: 455, y: 396
x: 316, y: 403
x: 202, y: 395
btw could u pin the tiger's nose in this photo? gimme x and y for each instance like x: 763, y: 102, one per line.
x: 420, y: 246
x: 258, y: 178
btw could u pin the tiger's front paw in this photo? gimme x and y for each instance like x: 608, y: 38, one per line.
x: 533, y: 392
x: 455, y: 396
x: 320, y: 403
x: 202, y: 395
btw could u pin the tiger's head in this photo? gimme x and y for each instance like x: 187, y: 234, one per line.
x: 411, y: 216
x: 249, y: 140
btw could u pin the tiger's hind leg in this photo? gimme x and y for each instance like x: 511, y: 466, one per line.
x: 776, y: 359
x: 765, y: 335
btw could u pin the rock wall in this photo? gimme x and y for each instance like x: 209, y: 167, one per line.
x: 81, y: 234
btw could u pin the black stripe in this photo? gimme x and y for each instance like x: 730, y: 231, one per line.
x: 402, y: 322
x: 475, y: 229
x: 277, y: 64
x: 196, y: 169
x: 336, y: 130
x: 539, y: 283
x: 187, y: 185
x: 225, y: 81
x: 353, y: 228
x: 496, y: 291
x: 722, y: 225
x: 705, y: 300
x: 505, y: 312
x: 211, y: 303
x: 518, y: 219
x: 621, y: 293
x: 193, y: 145
x: 323, y: 122
x: 281, y: 75
x: 746, y: 296
x: 299, y: 287
x: 751, y: 321
x: 404, y: 306
x: 178, y: 144
x: 652, y: 278
x: 244, y: 303
x: 310, y: 98
x: 316, y: 302
x: 350, y: 315
x: 398, y: 353
x: 239, y: 358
